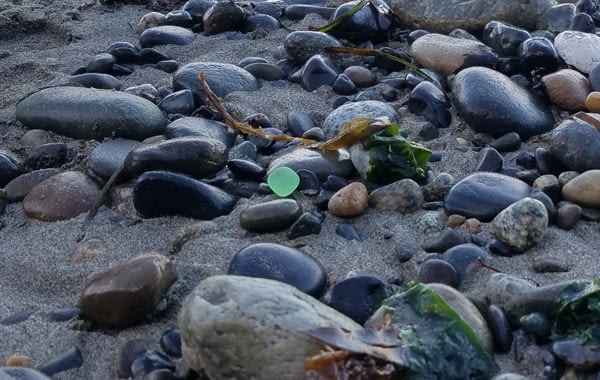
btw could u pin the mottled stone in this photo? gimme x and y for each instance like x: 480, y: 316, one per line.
x: 402, y: 196
x: 521, y: 224
x: 250, y: 328
x: 123, y: 295
x: 222, y: 78
x: 61, y: 197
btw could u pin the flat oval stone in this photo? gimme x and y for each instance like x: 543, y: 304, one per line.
x: 566, y: 141
x: 162, y: 193
x: 270, y: 216
x: 265, y: 71
x: 61, y: 197
x: 123, y: 295
x: 86, y: 113
x: 319, y: 163
x: 567, y: 89
x: 521, y: 225
x: 584, y: 189
x: 483, y: 195
x: 51, y: 155
x: 198, y: 157
x: 281, y: 263
x: 166, y: 35
x: 448, y: 55
x: 200, y: 127
x: 578, y: 49
x: 439, y: 271
x: 10, y: 167
x: 358, y: 297
x: 349, y: 201
x: 463, y: 257
x: 349, y: 111
x: 107, y: 157
x: 491, y: 103
x: 222, y: 78
x: 19, y: 187
x: 96, y: 80
x: 179, y: 102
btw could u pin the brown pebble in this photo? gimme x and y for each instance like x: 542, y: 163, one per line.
x: 592, y: 102
x: 17, y: 360
x: 455, y: 220
x: 568, y: 215
x: 567, y: 89
x: 473, y: 225
x: 349, y: 201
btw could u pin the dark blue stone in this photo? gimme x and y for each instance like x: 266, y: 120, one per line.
x: 181, y: 102
x: 438, y: 271
x: 538, y: 53
x: 259, y: 21
x: 68, y: 360
x: 306, y: 224
x: 10, y: 167
x: 179, y: 18
x: 576, y: 145
x: 170, y: 342
x: 161, y: 193
x: 245, y: 169
x: 343, y: 85
x: 299, y: 123
x: 429, y: 101
x: 463, y: 257
x: 503, y: 38
x: 318, y: 71
x: 582, y: 22
x: 166, y: 35
x: 124, y: 52
x: 107, y: 157
x: 281, y: 263
x: 17, y: 373
x: 149, y: 361
x: 358, y: 297
x: 492, y: 161
x: 200, y: 127
x: 361, y: 26
x: 308, y: 180
x: 96, y: 80
x: 150, y: 56
x: 348, y: 232
x: 483, y: 195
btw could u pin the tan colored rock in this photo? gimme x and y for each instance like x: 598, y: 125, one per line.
x: 592, y: 102
x: 584, y: 189
x: 445, y: 54
x: 17, y: 360
x: 567, y: 89
x: 123, y: 295
x: 349, y: 201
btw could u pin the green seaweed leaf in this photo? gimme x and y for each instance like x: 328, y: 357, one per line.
x: 578, y: 314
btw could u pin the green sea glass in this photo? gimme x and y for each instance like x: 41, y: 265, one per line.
x: 283, y: 181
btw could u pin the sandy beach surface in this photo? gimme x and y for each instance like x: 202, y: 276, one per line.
x: 42, y: 267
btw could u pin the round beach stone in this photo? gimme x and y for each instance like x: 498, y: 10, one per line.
x: 403, y: 196
x: 521, y: 224
x: 568, y: 215
x: 483, y: 195
x: 151, y: 20
x: 439, y: 271
x: 61, y: 197
x: 166, y: 35
x: 463, y: 257
x: 592, y: 102
x: 281, y: 263
x: 123, y: 295
x: 358, y: 297
x: 429, y: 101
x: 252, y: 328
x: 505, y: 39
x: 107, y: 157
x: 566, y: 141
x: 19, y: 187
x: 490, y: 102
x: 222, y: 78
x: 221, y: 17
x: 198, y: 157
x: 270, y: 216
x: 87, y: 113
x: 349, y: 111
x: 567, y: 89
x: 318, y: 71
x: 200, y: 127
x: 448, y: 55
x: 538, y: 53
x: 578, y: 49
x: 303, y: 44
x: 322, y: 165
x: 179, y: 102
x: 349, y: 201
x: 584, y: 189
x: 162, y: 193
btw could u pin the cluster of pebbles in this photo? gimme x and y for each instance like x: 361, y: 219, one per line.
x: 508, y: 84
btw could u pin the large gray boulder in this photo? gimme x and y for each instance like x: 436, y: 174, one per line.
x: 237, y: 327
x: 444, y: 16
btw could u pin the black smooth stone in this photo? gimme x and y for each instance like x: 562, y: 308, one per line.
x: 583, y: 22
x: 197, y: 8
x: 318, y: 71
x: 281, y: 263
x: 358, y: 297
x: 180, y: 102
x: 128, y: 353
x: 429, y: 132
x: 412, y: 36
x: 63, y: 315
x: 500, y: 248
x: 566, y: 145
x: 102, y: 63
x: 348, y: 232
x: 483, y: 195
x: 299, y: 11
x: 68, y: 360
x: 507, y: 143
x: 168, y: 66
x: 503, y: 38
x: 200, y: 127
x: 259, y: 21
x: 221, y: 17
x: 161, y: 193
x: 363, y: 25
x: 526, y: 160
x: 50, y: 155
x: 170, y: 342
x: 343, y: 85
x: 427, y: 100
x: 464, y: 258
x: 308, y: 180
x: 272, y: 8
x: 438, y: 271
x: 10, y: 167
x: 249, y: 60
x: 107, y: 157
x: 150, y: 56
x: 538, y: 53
x: 412, y: 79
x: 265, y: 71
x: 334, y: 183
x: 270, y: 216
x: 198, y: 157
x: 536, y: 324
x: 179, y: 18
x: 445, y: 240
x: 546, y: 163
x: 96, y: 80
x: 124, y: 52
x: 245, y: 169
x: 499, y: 325
x: 397, y: 83
x: 492, y: 161
x: 306, y: 224
x: 149, y: 361
x: 166, y: 35
x: 509, y: 65
x: 17, y: 317
x: 299, y: 123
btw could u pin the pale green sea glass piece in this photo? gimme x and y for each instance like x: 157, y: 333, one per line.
x: 283, y: 181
